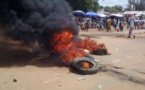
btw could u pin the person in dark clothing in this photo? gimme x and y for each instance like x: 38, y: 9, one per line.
x: 121, y: 25
x: 87, y: 25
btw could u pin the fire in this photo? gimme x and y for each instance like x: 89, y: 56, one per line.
x: 88, y: 44
x: 69, y: 49
x: 85, y: 65
x: 66, y: 47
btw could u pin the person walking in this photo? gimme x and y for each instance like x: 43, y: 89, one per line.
x: 127, y: 20
x: 131, y: 25
x: 100, y: 23
x: 108, y: 25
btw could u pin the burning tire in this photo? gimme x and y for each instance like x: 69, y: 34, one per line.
x: 92, y: 69
x: 100, y: 52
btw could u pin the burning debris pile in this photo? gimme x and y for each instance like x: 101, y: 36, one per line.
x: 66, y: 47
x: 47, y: 22
x: 70, y: 48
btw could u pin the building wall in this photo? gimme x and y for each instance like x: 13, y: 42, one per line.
x: 137, y: 4
x: 142, y: 3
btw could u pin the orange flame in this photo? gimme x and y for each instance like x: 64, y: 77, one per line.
x: 66, y: 47
x: 85, y: 65
x: 88, y: 44
x: 69, y: 49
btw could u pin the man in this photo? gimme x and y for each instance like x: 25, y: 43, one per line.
x: 121, y: 24
x: 87, y: 25
x: 131, y: 25
x: 115, y: 23
x: 104, y: 23
x: 100, y: 25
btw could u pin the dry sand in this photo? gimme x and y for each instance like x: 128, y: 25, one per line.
x: 124, y: 68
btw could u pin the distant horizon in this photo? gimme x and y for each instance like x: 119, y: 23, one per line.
x: 111, y: 3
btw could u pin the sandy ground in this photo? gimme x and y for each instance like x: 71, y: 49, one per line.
x: 124, y: 68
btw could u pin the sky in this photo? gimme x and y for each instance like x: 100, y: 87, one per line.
x: 123, y: 3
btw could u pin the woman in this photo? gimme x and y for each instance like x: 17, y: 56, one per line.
x: 109, y: 25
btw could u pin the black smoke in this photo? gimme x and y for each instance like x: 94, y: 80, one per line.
x: 31, y: 20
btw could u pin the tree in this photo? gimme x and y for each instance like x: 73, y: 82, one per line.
x: 92, y: 5
x: 107, y: 9
x: 101, y: 7
x: 113, y: 9
x: 77, y: 4
x: 85, y: 5
x: 118, y: 8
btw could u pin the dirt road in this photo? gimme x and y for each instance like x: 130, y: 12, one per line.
x: 124, y: 69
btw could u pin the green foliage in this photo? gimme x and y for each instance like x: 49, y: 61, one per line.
x: 107, y: 9
x: 113, y: 9
x: 77, y: 4
x: 95, y: 6
x: 85, y: 5
x: 91, y: 5
x: 118, y: 8
x: 101, y: 7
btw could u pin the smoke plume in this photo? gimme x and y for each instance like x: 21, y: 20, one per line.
x: 30, y: 20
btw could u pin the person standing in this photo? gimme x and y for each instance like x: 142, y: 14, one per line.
x: 118, y: 25
x: 104, y: 23
x: 109, y: 25
x: 131, y: 25
x: 87, y: 25
x: 127, y: 20
x: 115, y: 23
x: 121, y: 24
x: 83, y: 25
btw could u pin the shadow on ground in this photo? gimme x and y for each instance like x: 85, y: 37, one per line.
x: 13, y: 54
x: 122, y: 76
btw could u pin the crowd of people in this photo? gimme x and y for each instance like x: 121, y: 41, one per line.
x: 106, y: 23
x: 109, y: 24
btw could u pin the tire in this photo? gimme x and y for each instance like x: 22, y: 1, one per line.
x: 89, y: 56
x: 100, y: 52
x: 94, y: 69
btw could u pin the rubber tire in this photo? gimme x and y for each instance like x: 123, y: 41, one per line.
x: 100, y: 52
x: 89, y: 56
x: 84, y: 71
